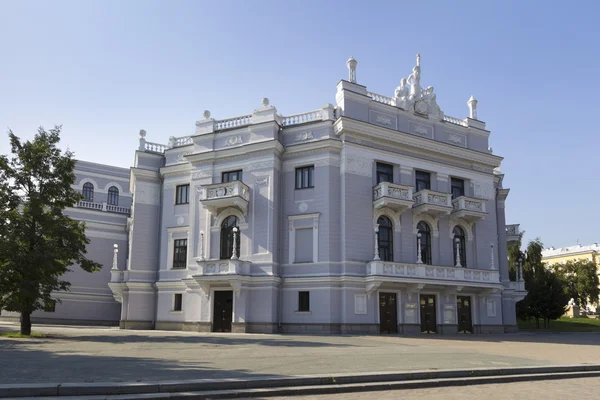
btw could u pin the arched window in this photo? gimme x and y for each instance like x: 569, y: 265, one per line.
x: 88, y: 192
x: 227, y: 237
x: 386, y: 240
x: 425, y: 240
x: 113, y: 196
x: 458, y: 236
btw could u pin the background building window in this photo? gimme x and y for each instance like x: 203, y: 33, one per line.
x: 459, y: 233
x: 231, y: 176
x: 88, y: 192
x: 305, y: 177
x: 113, y: 196
x: 182, y: 194
x: 386, y: 242
x: 227, y: 237
x: 304, y: 245
x: 177, y: 302
x: 423, y: 180
x: 425, y: 232
x: 179, y: 253
x: 50, y: 306
x: 304, y: 301
x: 458, y: 187
x: 385, y: 173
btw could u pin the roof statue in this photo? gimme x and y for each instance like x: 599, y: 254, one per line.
x: 416, y: 99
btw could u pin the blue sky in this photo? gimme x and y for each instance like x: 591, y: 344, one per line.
x: 106, y: 69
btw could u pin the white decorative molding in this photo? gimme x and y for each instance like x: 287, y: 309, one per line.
x: 292, y: 235
x: 302, y: 207
x: 233, y: 140
x: 357, y: 165
x: 378, y: 118
x: 260, y: 165
x: 455, y: 138
x: 410, y: 313
x: 449, y: 314
x: 360, y: 304
x: 322, y: 161
x: 302, y: 136
x: 202, y: 175
x: 180, y: 220
x: 181, y: 156
x: 433, y: 223
x: 420, y: 130
x: 491, y: 308
x: 263, y: 181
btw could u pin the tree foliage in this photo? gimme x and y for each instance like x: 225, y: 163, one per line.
x: 38, y: 242
x: 581, y: 280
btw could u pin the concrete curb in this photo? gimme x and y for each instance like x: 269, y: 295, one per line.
x: 337, y: 383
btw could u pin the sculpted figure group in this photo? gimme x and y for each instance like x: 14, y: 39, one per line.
x: 417, y: 99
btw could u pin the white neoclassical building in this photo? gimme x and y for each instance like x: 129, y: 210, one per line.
x: 374, y: 215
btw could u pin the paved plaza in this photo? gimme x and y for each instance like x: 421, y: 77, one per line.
x: 580, y: 389
x: 77, y: 354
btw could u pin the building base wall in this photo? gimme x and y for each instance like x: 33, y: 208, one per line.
x: 410, y: 329
x: 490, y: 329
x: 137, y: 325
x: 448, y: 329
x: 363, y: 329
x: 511, y: 329
x: 62, y: 321
x: 312, y: 328
x: 261, y: 327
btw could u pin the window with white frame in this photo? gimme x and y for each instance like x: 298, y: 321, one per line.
x: 303, y: 238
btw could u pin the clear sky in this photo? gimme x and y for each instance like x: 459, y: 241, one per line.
x: 106, y: 69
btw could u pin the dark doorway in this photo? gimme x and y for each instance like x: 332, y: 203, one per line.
x: 428, y: 318
x: 223, y: 311
x: 388, y: 316
x: 463, y: 306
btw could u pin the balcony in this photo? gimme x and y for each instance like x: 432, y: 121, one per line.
x: 218, y: 196
x: 105, y: 207
x: 219, y: 267
x: 397, y: 197
x: 468, y: 209
x: 432, y: 272
x: 513, y: 234
x: 434, y: 203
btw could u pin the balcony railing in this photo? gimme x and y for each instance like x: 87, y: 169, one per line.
x: 220, y: 267
x: 432, y: 272
x: 513, y: 234
x: 391, y: 195
x: 468, y: 208
x: 103, y: 207
x: 432, y: 202
x: 227, y: 194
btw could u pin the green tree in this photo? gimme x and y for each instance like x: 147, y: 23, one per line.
x: 581, y: 280
x: 38, y: 242
x: 514, y: 253
x: 546, y: 292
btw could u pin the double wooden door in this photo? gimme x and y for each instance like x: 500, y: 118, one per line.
x: 222, y: 311
x: 388, y: 313
x: 463, y: 307
x: 428, y: 316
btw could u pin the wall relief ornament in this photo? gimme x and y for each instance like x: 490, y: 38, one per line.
x: 233, y: 140
x: 181, y: 156
x: 357, y: 165
x: 201, y: 175
x: 306, y: 135
x: 483, y: 190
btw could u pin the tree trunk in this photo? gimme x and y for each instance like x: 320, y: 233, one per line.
x: 26, y: 324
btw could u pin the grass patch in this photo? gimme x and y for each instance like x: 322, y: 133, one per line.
x: 563, y: 324
x: 19, y: 336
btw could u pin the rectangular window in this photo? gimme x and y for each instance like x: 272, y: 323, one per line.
x: 177, y: 301
x: 458, y: 187
x: 423, y: 180
x: 305, y: 177
x: 50, y: 306
x: 385, y: 173
x: 304, y: 301
x: 179, y: 253
x: 231, y: 176
x: 304, y: 245
x: 182, y: 194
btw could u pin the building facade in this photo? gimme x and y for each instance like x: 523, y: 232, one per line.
x: 561, y: 255
x: 374, y: 215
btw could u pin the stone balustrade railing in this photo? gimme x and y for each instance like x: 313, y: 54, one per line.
x: 380, y: 99
x: 427, y: 196
x: 520, y: 285
x: 296, y: 119
x: 103, y: 207
x: 155, y: 147
x: 512, y: 229
x: 181, y: 141
x: 235, y: 122
x: 227, y: 189
x: 432, y: 272
x: 219, y: 267
x: 454, y: 120
x: 387, y: 189
x: 468, y: 204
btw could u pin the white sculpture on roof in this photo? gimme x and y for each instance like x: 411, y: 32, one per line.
x: 418, y: 100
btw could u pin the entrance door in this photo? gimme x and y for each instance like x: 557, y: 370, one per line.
x: 428, y: 318
x: 223, y: 311
x: 463, y: 306
x: 388, y: 316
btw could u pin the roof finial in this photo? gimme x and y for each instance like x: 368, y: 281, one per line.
x: 351, y: 64
x: 472, y: 103
x: 418, y: 59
